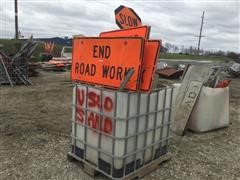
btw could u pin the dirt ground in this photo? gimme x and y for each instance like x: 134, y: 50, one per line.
x: 35, y: 137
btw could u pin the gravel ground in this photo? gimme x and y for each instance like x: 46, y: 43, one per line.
x: 35, y: 137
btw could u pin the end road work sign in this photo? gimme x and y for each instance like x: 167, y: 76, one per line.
x: 151, y: 50
x: 106, y: 61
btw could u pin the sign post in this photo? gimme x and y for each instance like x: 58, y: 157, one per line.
x: 187, y: 96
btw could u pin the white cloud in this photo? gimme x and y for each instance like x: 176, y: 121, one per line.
x: 175, y: 21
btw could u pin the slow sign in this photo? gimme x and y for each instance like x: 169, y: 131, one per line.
x: 127, y: 18
x: 105, y: 61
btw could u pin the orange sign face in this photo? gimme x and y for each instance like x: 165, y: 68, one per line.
x: 106, y: 61
x: 151, y: 50
x: 127, y: 18
x: 142, y: 31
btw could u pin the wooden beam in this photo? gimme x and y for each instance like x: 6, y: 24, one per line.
x: 188, y: 94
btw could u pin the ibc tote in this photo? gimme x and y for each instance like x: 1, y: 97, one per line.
x: 119, y: 132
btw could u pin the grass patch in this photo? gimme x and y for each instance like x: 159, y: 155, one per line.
x: 193, y: 57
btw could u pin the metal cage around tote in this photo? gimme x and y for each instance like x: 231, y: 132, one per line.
x: 117, y: 133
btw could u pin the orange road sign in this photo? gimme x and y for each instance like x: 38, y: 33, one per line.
x: 106, y: 61
x: 127, y: 18
x: 151, y: 50
x: 142, y: 31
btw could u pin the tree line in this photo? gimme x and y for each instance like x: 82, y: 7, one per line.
x: 171, y: 48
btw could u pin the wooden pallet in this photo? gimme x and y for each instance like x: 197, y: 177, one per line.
x: 139, y: 173
x: 85, y: 167
x: 148, y: 168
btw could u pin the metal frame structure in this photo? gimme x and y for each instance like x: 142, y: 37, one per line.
x: 130, y: 168
x: 15, y: 70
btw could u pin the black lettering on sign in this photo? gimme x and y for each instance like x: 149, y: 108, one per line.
x: 107, y: 52
x: 128, y: 21
x: 85, y: 69
x: 76, y: 68
x: 93, y: 70
x: 105, y: 71
x: 122, y: 20
x: 126, y: 71
x: 95, y: 51
x: 101, y: 51
x: 82, y: 67
x: 119, y: 73
x: 135, y: 22
x: 113, y: 72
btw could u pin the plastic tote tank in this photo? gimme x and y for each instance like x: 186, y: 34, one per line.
x: 118, y: 132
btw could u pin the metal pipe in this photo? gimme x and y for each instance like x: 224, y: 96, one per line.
x: 16, y: 19
x: 200, y: 33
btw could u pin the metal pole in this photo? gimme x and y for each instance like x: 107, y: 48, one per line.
x: 16, y: 20
x: 200, y: 34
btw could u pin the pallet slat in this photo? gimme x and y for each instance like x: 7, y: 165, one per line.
x: 139, y: 173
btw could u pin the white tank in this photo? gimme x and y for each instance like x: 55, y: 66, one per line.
x: 125, y: 117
